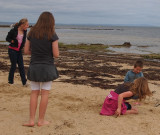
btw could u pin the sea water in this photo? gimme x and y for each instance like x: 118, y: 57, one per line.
x: 144, y: 40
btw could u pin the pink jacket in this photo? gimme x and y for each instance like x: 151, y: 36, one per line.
x: 111, y: 104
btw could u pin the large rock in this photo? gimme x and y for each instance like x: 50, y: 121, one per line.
x: 127, y: 44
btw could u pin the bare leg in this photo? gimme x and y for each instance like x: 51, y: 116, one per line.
x: 132, y: 111
x: 136, y: 103
x: 33, y: 107
x: 43, y: 107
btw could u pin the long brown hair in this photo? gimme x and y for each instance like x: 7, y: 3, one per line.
x: 45, y: 27
x: 21, y: 22
x: 140, y: 88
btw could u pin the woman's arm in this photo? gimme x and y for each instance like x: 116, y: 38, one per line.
x: 27, y: 49
x: 126, y: 79
x: 55, y: 49
x: 120, y: 99
x: 9, y: 36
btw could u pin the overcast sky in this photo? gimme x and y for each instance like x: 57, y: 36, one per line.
x: 130, y: 12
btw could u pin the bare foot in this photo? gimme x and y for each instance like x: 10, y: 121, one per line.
x: 136, y: 103
x: 43, y: 123
x: 29, y: 124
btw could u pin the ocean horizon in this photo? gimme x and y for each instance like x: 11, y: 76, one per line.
x: 87, y: 24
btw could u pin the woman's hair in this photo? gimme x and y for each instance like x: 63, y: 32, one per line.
x: 22, y: 21
x: 45, y: 27
x: 140, y: 88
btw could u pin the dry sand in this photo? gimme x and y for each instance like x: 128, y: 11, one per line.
x: 73, y: 109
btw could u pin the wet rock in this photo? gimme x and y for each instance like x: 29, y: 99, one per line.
x: 127, y: 44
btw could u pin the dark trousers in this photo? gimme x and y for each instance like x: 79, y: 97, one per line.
x: 16, y: 58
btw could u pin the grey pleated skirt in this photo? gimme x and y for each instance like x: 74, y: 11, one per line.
x: 42, y: 73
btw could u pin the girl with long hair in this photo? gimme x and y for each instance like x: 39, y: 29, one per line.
x: 115, y: 102
x: 17, y: 37
x: 42, y: 44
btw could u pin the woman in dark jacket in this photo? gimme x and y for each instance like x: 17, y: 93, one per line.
x: 17, y: 37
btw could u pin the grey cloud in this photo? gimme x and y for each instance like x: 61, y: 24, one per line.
x: 84, y: 11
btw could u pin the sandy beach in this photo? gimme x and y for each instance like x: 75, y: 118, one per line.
x: 77, y: 96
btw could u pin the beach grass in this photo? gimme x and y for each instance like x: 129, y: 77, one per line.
x: 125, y: 44
x: 2, y: 41
x: 88, y: 47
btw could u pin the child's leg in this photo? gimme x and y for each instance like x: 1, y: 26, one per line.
x: 35, y: 86
x: 33, y: 107
x: 21, y: 68
x: 33, y: 103
x: 45, y: 87
x: 43, y: 107
x: 132, y: 111
x: 13, y: 59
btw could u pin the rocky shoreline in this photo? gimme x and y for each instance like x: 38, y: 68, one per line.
x: 93, y: 68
